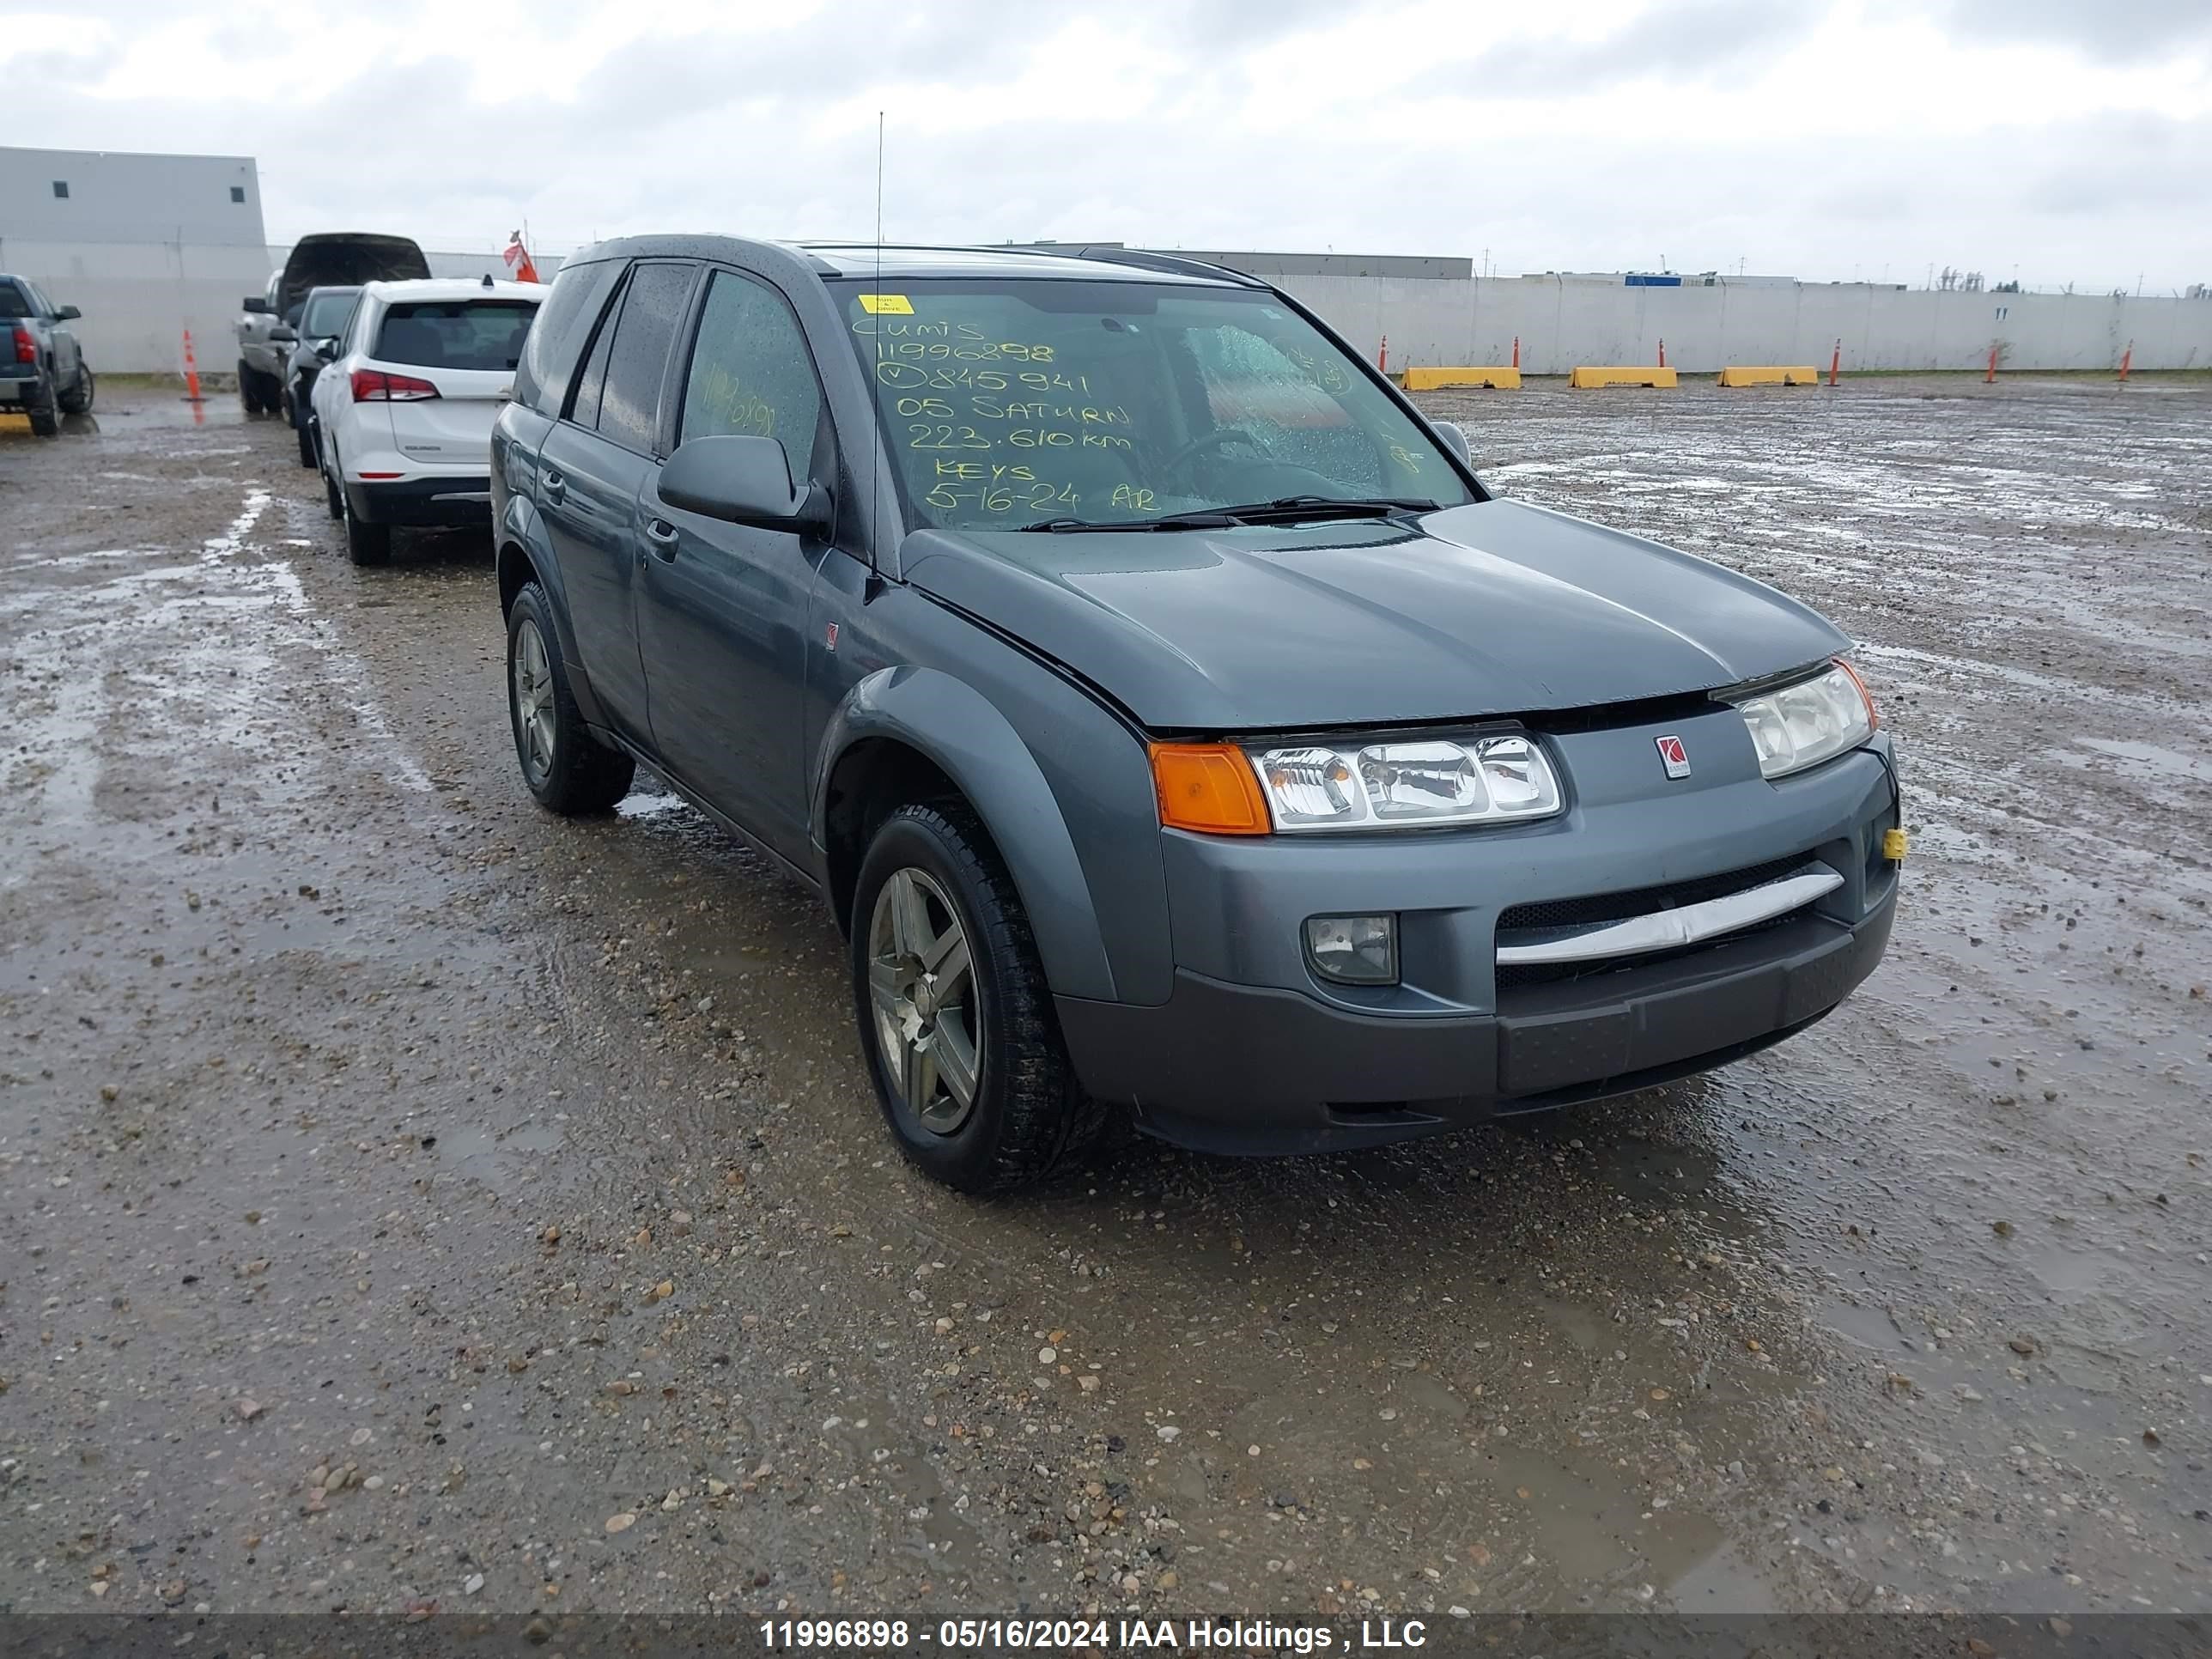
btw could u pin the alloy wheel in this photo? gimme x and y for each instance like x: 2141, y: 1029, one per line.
x: 928, y: 1018
x: 533, y: 700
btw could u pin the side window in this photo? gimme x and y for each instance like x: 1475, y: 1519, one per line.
x: 276, y: 289
x: 557, y: 339
x: 750, y: 371
x: 629, y: 408
x: 591, y: 381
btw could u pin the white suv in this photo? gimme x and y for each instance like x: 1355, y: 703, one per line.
x: 403, y: 414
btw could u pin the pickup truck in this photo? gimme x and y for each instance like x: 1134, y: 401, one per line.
x: 269, y: 321
x: 43, y: 373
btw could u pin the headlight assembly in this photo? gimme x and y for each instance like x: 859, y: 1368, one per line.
x: 1795, y: 727
x: 1414, y: 785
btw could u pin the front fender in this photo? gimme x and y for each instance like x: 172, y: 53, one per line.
x: 962, y: 733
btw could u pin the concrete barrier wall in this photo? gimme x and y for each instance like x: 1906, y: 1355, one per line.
x: 1562, y: 322
x: 138, y: 297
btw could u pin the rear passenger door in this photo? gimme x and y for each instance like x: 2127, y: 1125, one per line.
x: 722, y: 608
x: 590, y: 469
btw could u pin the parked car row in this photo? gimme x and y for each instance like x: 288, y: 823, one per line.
x: 389, y: 377
x: 1171, y: 720
x: 273, y: 323
x: 43, y: 373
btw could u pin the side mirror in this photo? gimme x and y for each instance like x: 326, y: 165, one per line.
x: 255, y: 303
x: 1454, y: 437
x: 281, y: 335
x: 327, y: 349
x: 68, y: 314
x: 744, y: 480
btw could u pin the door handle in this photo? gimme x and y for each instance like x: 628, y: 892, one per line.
x: 660, y: 538
x: 556, y: 483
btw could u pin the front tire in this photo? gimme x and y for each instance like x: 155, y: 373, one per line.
x: 568, y: 769
x: 954, y: 1010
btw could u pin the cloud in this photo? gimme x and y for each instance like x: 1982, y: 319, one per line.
x: 1693, y: 41
x: 1222, y: 123
x: 2112, y: 31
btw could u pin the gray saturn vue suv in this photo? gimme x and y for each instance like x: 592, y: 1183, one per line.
x: 1174, y: 725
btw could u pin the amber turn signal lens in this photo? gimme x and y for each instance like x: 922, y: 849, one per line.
x: 1207, y: 787
x: 1874, y: 716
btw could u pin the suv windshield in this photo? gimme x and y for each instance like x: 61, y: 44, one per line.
x: 455, y: 333
x: 1013, y: 401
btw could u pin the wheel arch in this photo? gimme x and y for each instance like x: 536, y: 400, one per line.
x: 521, y: 554
x: 905, y: 734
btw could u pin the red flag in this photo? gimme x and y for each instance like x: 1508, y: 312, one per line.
x: 518, y: 257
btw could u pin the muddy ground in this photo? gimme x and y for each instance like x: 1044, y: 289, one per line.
x: 410, y: 1199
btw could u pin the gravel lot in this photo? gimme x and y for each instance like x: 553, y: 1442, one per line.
x: 410, y: 1199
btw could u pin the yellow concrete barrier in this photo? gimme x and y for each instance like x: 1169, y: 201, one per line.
x: 1433, y: 380
x: 1741, y: 374
x: 1655, y: 376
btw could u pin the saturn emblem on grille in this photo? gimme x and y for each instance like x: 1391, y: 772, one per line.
x: 1674, y: 756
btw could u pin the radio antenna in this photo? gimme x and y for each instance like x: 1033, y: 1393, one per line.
x: 875, y: 391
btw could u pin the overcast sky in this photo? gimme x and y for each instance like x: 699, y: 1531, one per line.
x: 2071, y: 139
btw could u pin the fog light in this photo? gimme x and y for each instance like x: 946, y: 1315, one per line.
x: 1353, y: 950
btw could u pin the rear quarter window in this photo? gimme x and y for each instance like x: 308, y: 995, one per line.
x: 455, y: 333
x: 557, y: 338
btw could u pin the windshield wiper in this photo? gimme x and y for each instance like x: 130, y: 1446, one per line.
x: 1324, y: 506
x: 1282, y: 509
x: 1207, y: 519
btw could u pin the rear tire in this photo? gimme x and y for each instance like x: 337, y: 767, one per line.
x: 927, y: 1027
x: 567, y: 770
x: 78, y: 400
x: 366, y: 544
x: 303, y: 428
x: 333, y: 498
x: 249, y: 387
x: 45, y: 417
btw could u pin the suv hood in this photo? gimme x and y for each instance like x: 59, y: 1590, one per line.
x: 1494, y: 608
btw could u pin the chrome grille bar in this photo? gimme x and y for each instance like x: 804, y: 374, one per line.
x: 1668, y: 930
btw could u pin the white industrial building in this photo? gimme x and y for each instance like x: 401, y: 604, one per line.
x: 145, y: 246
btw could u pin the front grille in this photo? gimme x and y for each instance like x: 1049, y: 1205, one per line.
x: 1640, y: 901
x: 1513, y: 974
x: 1643, y: 901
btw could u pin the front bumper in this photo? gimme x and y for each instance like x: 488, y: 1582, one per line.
x: 427, y: 502
x: 1253, y: 1053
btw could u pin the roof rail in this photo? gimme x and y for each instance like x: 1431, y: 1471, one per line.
x: 1105, y: 253
x: 1172, y: 264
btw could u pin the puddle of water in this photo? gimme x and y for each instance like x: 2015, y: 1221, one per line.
x: 501, y: 1160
